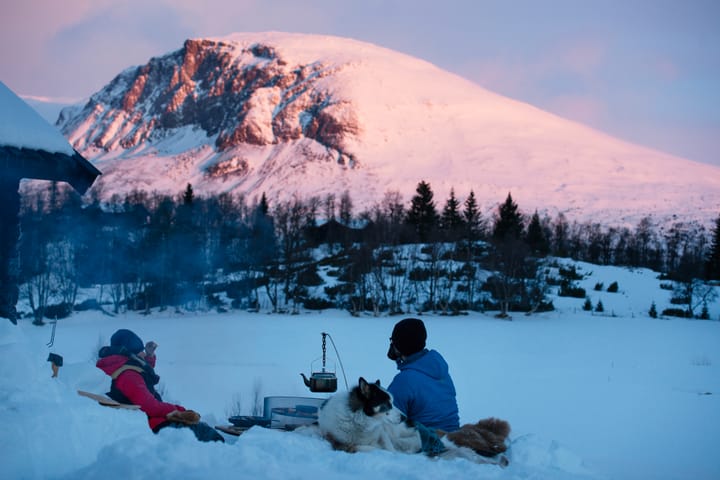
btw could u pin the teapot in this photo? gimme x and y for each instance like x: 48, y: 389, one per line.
x: 322, y: 381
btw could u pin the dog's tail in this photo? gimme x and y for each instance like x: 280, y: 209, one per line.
x: 486, y: 437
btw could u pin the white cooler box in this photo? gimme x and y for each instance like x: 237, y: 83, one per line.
x: 289, y: 413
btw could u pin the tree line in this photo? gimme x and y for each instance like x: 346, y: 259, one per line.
x: 152, y: 250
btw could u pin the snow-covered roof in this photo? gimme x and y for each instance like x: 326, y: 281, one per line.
x: 23, y: 127
x: 32, y: 148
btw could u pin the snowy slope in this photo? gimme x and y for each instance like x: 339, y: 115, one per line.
x: 588, y: 396
x: 294, y: 114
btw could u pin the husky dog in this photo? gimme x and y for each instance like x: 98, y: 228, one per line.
x: 365, y: 419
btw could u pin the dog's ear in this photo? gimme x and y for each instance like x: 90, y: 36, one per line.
x: 377, y: 382
x: 364, y: 387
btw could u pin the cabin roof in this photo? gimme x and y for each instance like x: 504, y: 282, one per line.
x: 32, y: 148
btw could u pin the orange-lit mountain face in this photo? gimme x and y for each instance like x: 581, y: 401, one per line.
x: 306, y: 115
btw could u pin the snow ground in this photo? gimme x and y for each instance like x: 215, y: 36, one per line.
x: 588, y: 396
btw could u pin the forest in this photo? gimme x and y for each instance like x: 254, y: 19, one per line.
x: 149, y: 250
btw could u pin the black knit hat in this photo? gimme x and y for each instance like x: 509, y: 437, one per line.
x: 128, y: 339
x: 409, y: 336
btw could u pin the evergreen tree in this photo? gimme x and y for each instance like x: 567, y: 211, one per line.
x: 536, y: 239
x: 263, y: 207
x: 712, y: 264
x: 262, y: 242
x: 422, y: 215
x: 451, y: 222
x: 560, y: 236
x: 188, y: 195
x: 471, y: 217
x: 508, y: 224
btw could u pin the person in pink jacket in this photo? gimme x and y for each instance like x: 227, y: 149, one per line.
x: 131, y: 365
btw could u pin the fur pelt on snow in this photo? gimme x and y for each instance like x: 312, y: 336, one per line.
x: 486, y: 437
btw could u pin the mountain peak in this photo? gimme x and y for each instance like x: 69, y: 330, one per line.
x: 294, y: 114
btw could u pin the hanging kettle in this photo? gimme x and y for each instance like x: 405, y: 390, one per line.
x: 322, y: 381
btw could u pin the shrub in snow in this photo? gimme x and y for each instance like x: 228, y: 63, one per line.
x: 680, y: 300
x: 570, y: 273
x: 653, y: 310
x: 587, y: 306
x: 315, y: 303
x: 419, y: 274
x: 309, y: 278
x: 89, y: 304
x: 599, y: 307
x: 613, y: 288
x: 598, y: 286
x: 568, y: 289
x: 676, y: 312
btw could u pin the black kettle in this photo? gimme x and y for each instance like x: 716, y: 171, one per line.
x: 325, y: 382
x: 322, y: 381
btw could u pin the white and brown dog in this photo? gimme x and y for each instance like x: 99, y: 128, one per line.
x: 365, y: 419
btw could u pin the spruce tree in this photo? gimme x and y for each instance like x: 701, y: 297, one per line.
x: 451, y: 222
x: 712, y: 264
x: 263, y: 207
x: 188, y: 195
x: 262, y: 241
x: 508, y: 224
x: 599, y: 307
x: 536, y: 237
x: 422, y: 215
x: 471, y: 218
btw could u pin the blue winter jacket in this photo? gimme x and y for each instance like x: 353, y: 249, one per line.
x: 424, y: 391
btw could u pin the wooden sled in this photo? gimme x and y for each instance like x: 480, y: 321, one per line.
x: 232, y: 429
x: 107, y: 401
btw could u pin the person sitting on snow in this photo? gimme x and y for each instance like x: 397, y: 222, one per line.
x: 423, y: 389
x: 131, y: 364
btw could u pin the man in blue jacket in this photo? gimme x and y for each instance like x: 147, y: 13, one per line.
x: 423, y: 390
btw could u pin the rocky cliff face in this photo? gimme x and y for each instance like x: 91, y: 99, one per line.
x: 304, y: 115
x: 236, y: 95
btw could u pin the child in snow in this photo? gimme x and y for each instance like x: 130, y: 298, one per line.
x: 131, y: 364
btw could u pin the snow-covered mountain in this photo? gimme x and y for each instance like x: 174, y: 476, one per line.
x: 295, y: 114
